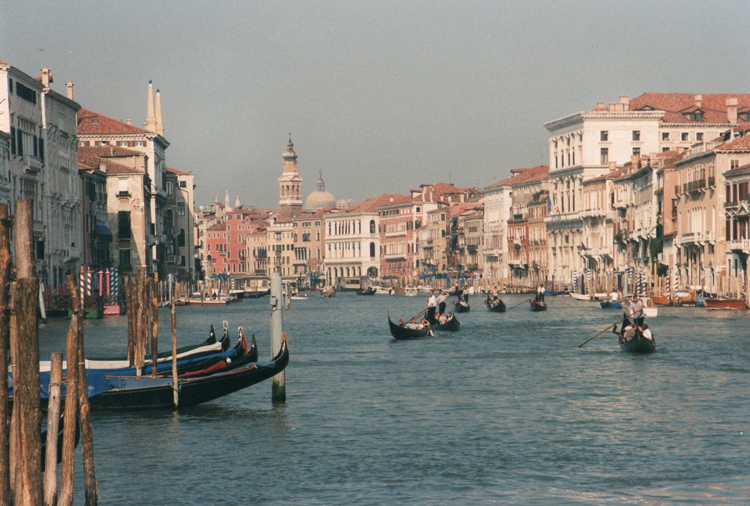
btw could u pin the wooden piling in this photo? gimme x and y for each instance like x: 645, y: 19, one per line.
x: 140, y: 322
x: 278, y: 385
x: 175, y: 387
x: 53, y: 424
x: 24, y: 331
x: 5, y: 272
x: 87, y: 435
x: 67, y: 473
x: 154, y: 323
x: 130, y: 310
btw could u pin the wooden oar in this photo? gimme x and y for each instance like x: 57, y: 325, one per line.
x: 522, y: 302
x: 418, y: 315
x: 602, y: 332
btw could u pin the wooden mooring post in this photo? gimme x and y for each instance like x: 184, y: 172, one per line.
x: 25, y: 340
x: 91, y: 490
x: 175, y: 384
x: 67, y: 473
x: 154, y: 322
x: 53, y: 424
x: 5, y: 271
x: 278, y: 385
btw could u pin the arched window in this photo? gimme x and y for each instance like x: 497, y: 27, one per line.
x: 372, y: 226
x: 372, y: 247
x: 181, y: 238
x: 168, y: 221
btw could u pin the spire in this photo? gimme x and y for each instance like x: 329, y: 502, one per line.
x: 237, y: 202
x: 150, y: 115
x: 159, y: 124
x: 226, y: 200
x: 321, y: 183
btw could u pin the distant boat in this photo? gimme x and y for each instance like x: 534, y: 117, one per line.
x: 461, y: 306
x: 402, y: 332
x: 611, y: 304
x: 410, y: 291
x: 497, y: 306
x: 299, y: 296
x: 726, y: 303
x: 538, y: 305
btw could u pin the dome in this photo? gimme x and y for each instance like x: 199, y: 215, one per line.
x: 320, y: 198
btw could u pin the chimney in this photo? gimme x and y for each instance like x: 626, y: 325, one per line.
x: 625, y: 101
x: 732, y: 110
x: 612, y: 166
x: 47, y: 77
x: 600, y: 105
x: 699, y: 101
x: 69, y: 86
x: 635, y: 160
x: 159, y: 124
x: 128, y: 122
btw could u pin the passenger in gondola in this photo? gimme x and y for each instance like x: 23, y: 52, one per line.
x: 443, y: 318
x: 401, y: 322
x: 646, y: 332
x: 495, y: 301
x: 412, y: 324
x: 424, y: 323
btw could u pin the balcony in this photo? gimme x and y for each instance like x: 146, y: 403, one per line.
x: 71, y: 254
x: 739, y: 245
x: 395, y: 233
x: 694, y: 186
x: 31, y: 164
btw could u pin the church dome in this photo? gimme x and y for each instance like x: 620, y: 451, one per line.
x: 320, y: 198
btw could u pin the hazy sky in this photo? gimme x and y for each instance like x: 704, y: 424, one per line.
x: 382, y: 96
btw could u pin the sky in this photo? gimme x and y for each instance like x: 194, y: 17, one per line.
x: 381, y: 96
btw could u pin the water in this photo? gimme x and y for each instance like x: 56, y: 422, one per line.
x: 507, y: 411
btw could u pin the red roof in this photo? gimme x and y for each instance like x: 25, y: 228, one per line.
x: 538, y: 173
x: 178, y: 172
x: 714, y: 106
x: 90, y: 157
x: 371, y: 205
x: 738, y: 144
x: 92, y: 123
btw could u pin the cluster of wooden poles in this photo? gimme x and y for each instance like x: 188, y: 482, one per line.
x: 20, y: 432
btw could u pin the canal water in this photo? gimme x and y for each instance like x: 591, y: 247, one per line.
x: 507, y: 411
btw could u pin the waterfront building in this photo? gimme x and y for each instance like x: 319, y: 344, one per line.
x: 702, y: 233
x: 737, y: 217
x: 40, y: 164
x: 280, y: 238
x: 179, y: 222
x: 205, y: 218
x: 497, y: 204
x: 309, y: 235
x: 95, y: 129
x: 128, y: 204
x: 97, y: 236
x: 352, y: 240
x: 433, y: 245
x: 466, y: 253
x: 290, y: 184
x: 256, y: 251
x: 399, y: 222
x: 537, y: 247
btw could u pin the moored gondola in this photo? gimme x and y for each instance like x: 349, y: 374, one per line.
x: 538, y: 305
x: 402, y: 332
x: 366, y: 291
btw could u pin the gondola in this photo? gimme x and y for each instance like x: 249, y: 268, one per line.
x: 538, y: 305
x: 143, y: 393
x: 496, y: 308
x: 209, y: 346
x: 366, y: 291
x: 637, y: 343
x: 611, y: 304
x: 452, y: 325
x: 399, y: 332
x: 461, y: 306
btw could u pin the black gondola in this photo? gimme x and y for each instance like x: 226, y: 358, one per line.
x: 538, y: 305
x: 142, y: 392
x: 635, y: 343
x: 366, y: 291
x: 497, y: 306
x: 453, y: 325
x: 461, y: 306
x: 399, y: 332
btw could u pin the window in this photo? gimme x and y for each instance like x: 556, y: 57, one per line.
x: 140, y: 144
x: 124, y: 257
x: 183, y: 184
x: 122, y: 187
x: 123, y: 226
x: 636, y: 135
x: 685, y: 136
x: 604, y: 156
x: 664, y: 149
x: 170, y: 191
x: 744, y: 116
x: 604, y: 135
x: 695, y: 116
x: 699, y: 136
x: 636, y: 151
x: 733, y: 164
x: 102, y: 143
x: 181, y: 209
x: 665, y: 136
x: 122, y: 144
x: 25, y: 93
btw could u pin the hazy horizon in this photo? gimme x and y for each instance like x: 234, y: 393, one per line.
x: 381, y: 97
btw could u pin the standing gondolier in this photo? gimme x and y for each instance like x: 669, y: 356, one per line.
x: 441, y: 301
x: 431, y: 306
x: 635, y: 310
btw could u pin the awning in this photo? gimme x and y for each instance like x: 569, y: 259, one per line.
x: 103, y: 233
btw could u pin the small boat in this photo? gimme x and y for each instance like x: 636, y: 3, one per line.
x: 700, y: 301
x: 410, y: 291
x: 649, y: 308
x: 210, y: 300
x: 726, y: 303
x: 538, y: 305
x: 461, y: 306
x: 580, y: 296
x: 497, y: 306
x: 127, y: 392
x: 366, y: 291
x: 638, y: 344
x: 328, y: 291
x: 452, y: 324
x: 403, y: 332
x: 238, y: 294
x: 611, y: 304
x: 383, y: 290
x: 299, y: 296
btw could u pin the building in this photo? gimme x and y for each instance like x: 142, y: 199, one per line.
x: 179, y: 222
x: 737, y: 217
x: 399, y: 222
x: 95, y: 129
x: 97, y: 236
x: 280, y: 239
x: 497, y: 204
x: 308, y: 246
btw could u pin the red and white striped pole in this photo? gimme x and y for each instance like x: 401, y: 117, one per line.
x: 88, y: 281
x: 82, y: 285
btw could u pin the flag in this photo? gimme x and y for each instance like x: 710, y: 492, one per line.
x: 583, y: 247
x: 549, y: 205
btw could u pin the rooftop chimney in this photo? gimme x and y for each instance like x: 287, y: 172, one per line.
x: 635, y: 160
x: 699, y: 101
x: 612, y: 166
x: 47, y: 77
x: 69, y: 86
x: 600, y: 105
x: 732, y: 110
x: 128, y: 122
x: 625, y: 101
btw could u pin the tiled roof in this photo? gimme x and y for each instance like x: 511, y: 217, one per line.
x: 91, y: 157
x: 457, y: 209
x: 714, y: 106
x: 178, y: 172
x: 371, y: 205
x: 92, y: 123
x: 738, y: 144
x: 737, y: 169
x: 537, y: 173
x: 218, y: 226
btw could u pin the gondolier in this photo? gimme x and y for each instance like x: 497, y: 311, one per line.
x: 431, y: 306
x: 441, y: 301
x: 635, y: 310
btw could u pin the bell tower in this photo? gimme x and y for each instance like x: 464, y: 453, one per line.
x: 290, y: 184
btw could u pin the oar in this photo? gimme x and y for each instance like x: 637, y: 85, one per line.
x: 600, y: 333
x: 522, y: 302
x: 418, y: 315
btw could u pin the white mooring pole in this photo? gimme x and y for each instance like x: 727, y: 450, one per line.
x: 278, y: 385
